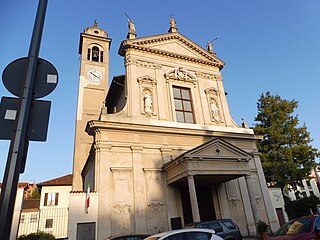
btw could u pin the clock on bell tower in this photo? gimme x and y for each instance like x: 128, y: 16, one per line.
x: 93, y: 86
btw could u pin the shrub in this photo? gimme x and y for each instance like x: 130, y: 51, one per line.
x: 37, y: 236
x: 262, y: 227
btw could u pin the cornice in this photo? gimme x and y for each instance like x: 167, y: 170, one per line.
x: 139, y: 45
x: 94, y: 125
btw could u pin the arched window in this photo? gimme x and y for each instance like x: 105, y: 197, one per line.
x: 95, y: 54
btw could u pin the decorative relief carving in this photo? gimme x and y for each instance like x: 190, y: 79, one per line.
x: 141, y: 63
x: 122, y: 190
x: 155, y: 206
x: 213, y: 103
x: 122, y: 208
x: 179, y: 74
x: 258, y: 199
x: 232, y: 192
x: 154, y: 189
x: 147, y: 80
x: 208, y: 76
x: 234, y: 202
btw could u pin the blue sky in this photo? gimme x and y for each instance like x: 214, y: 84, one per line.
x: 267, y: 46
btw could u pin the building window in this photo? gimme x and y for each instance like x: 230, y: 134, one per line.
x: 304, y: 194
x: 51, y: 199
x: 34, y: 218
x: 308, y: 184
x: 297, y: 194
x: 183, y: 105
x: 311, y: 193
x: 22, y: 218
x: 95, y: 54
x: 49, y: 223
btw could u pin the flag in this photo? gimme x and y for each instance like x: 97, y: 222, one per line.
x: 88, y: 197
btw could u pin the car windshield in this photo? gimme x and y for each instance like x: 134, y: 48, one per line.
x: 298, y: 226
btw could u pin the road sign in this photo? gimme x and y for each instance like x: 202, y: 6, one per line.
x: 38, y: 119
x: 45, y: 82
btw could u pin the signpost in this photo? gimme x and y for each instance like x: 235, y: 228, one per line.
x: 24, y: 119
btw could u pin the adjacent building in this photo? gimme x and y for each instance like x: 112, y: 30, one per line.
x: 49, y: 213
x: 158, y: 147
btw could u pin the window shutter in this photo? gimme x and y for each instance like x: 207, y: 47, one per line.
x: 45, y: 199
x: 57, y: 198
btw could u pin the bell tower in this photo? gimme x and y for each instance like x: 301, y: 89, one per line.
x: 93, y: 86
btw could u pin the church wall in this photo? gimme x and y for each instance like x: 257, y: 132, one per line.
x: 130, y: 171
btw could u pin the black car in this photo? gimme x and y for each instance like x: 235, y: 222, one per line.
x: 225, y: 228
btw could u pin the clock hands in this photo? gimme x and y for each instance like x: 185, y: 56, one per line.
x: 94, y: 75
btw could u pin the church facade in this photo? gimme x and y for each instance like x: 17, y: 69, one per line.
x: 158, y: 146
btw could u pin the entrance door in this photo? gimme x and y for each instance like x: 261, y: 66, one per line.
x: 205, y: 204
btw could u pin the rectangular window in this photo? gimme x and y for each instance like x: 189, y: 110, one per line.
x: 51, y: 199
x: 309, y: 184
x: 183, y: 105
x: 22, y: 218
x: 49, y: 223
x: 34, y: 218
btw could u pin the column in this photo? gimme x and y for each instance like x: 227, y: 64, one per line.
x: 140, y: 222
x: 247, y: 207
x: 272, y: 217
x: 252, y: 196
x: 193, y: 199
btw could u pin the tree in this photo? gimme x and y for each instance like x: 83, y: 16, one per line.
x: 286, y: 154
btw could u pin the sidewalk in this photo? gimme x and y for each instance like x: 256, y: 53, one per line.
x: 249, y: 238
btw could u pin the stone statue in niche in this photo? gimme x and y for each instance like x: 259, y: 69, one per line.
x: 215, y: 112
x: 147, y: 103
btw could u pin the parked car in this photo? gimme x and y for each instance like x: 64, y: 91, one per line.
x: 129, y: 237
x: 225, y: 228
x: 304, y: 228
x: 186, y: 234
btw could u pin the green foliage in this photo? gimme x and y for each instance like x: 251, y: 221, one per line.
x: 35, y: 194
x: 286, y: 154
x: 262, y: 226
x: 301, y: 207
x: 37, y: 236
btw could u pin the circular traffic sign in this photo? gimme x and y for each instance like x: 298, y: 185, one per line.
x: 46, y: 78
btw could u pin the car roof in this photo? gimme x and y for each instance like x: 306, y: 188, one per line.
x: 306, y: 217
x: 168, y: 233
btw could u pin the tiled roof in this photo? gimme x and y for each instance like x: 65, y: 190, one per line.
x: 21, y: 185
x: 61, y: 181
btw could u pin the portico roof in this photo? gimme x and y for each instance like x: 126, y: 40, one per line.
x: 212, y: 162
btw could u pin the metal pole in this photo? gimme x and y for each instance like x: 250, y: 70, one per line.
x: 17, y: 145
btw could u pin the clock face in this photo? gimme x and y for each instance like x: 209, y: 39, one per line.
x: 94, y: 75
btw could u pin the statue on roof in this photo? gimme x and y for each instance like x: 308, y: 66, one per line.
x: 210, y: 46
x: 95, y: 23
x: 173, y: 25
x: 131, y: 29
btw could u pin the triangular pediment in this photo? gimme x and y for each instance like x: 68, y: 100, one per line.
x: 172, y: 45
x: 217, y: 149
